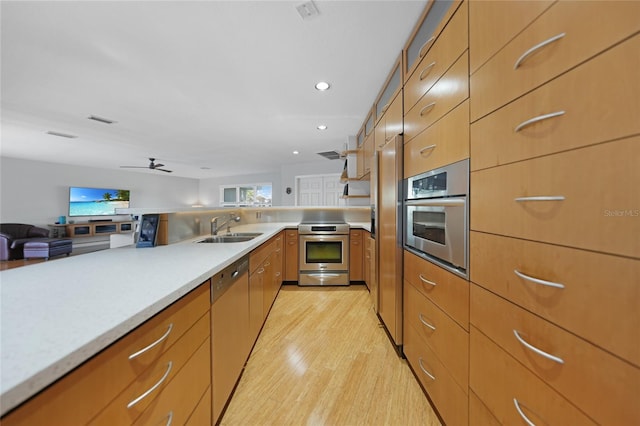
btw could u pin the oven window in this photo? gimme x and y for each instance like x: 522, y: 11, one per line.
x: 430, y: 226
x: 323, y: 252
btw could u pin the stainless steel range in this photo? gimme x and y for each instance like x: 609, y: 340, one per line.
x: 324, y: 254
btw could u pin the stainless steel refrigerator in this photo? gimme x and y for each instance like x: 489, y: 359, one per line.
x: 386, y: 181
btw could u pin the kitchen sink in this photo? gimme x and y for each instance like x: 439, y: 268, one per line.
x: 236, y: 237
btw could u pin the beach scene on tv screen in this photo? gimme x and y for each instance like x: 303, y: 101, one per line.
x: 97, y: 201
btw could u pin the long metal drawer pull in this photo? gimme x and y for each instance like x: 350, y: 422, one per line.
x: 525, y: 418
x: 152, y: 388
x: 424, y: 370
x: 538, y: 280
x: 536, y: 350
x: 422, y: 320
x: 260, y: 271
x: 427, y: 68
x: 427, y: 148
x: 538, y: 46
x: 157, y: 342
x: 267, y: 264
x: 444, y: 202
x: 170, y: 418
x: 537, y: 119
x: 426, y: 281
x: 542, y: 198
x: 430, y: 106
x: 422, y: 52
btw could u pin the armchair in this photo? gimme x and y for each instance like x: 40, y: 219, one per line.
x: 14, y: 235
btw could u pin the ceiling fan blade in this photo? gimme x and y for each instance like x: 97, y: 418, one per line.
x: 132, y: 167
x: 155, y: 166
x: 164, y: 170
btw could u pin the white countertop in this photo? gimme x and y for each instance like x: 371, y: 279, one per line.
x: 55, y: 315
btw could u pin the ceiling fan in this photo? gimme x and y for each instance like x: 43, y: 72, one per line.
x: 152, y: 166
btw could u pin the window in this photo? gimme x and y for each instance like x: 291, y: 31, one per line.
x: 250, y: 195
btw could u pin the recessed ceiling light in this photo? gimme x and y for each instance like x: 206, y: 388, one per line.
x: 296, y: 152
x: 322, y: 127
x: 322, y: 86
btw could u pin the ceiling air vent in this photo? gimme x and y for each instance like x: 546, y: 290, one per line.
x: 307, y: 10
x: 330, y: 155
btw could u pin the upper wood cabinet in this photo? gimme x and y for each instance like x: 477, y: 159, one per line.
x: 391, y: 87
x: 561, y: 38
x: 488, y: 37
x: 425, y: 33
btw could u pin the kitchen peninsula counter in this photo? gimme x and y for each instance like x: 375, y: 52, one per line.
x: 57, y: 314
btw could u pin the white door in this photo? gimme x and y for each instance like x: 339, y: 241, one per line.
x: 322, y: 190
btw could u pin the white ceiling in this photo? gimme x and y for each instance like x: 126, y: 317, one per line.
x: 224, y: 85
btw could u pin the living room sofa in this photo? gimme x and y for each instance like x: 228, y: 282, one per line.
x: 13, y: 236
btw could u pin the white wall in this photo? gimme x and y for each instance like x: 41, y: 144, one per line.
x: 281, y: 180
x: 37, y: 193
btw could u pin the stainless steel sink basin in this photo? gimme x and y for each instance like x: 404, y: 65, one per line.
x: 237, y: 237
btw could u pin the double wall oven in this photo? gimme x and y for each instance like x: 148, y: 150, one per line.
x: 437, y: 216
x: 324, y: 254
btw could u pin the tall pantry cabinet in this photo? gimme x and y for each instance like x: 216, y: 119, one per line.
x: 543, y: 98
x: 554, y: 112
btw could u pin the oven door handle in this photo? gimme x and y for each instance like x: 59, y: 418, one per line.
x: 323, y: 275
x: 444, y: 202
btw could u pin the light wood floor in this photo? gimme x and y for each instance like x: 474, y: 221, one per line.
x: 323, y: 359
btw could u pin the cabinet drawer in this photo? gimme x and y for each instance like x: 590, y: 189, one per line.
x: 599, y: 210
x: 451, y: 90
x: 449, y: 398
x: 566, y: 36
x: 257, y: 256
x: 486, y: 38
x: 182, y: 395
x: 613, y: 385
x: 573, y: 121
x: 448, y: 291
x: 202, y: 413
x: 449, y: 46
x: 599, y: 301
x: 479, y: 414
x: 446, y: 338
x: 158, y: 377
x: 87, y: 390
x: 500, y: 382
x: 446, y: 142
x: 425, y: 33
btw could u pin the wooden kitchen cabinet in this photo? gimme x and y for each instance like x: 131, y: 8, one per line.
x: 553, y: 258
x: 567, y: 361
x: 558, y: 40
x: 366, y: 262
x: 291, y: 266
x: 256, y: 302
x: 82, y: 395
x: 230, y: 341
x: 356, y: 255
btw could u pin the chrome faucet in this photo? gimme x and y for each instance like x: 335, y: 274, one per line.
x: 215, y: 226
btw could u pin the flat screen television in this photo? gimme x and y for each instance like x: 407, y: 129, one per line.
x: 96, y: 201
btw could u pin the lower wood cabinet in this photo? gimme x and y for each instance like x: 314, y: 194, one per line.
x: 108, y: 388
x: 356, y: 254
x: 291, y: 266
x: 512, y: 392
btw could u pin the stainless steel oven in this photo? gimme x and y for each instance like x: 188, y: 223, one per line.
x: 437, y: 216
x: 324, y: 254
